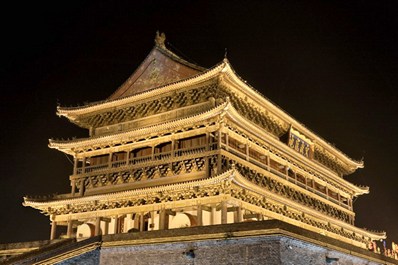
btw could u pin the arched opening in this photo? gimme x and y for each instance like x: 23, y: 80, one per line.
x: 181, y: 220
x: 86, y: 230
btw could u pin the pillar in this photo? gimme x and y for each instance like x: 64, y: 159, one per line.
x: 106, y: 228
x: 162, y: 216
x: 128, y: 222
x: 207, y: 158
x: 73, y: 187
x: 227, y: 141
x: 110, y: 160
x: 81, y: 189
x: 97, y: 226
x: 163, y: 219
x: 224, y: 209
x: 53, y: 230
x: 199, y: 215
x: 75, y: 161
x: 116, y: 225
x: 239, y: 214
x: 84, y: 165
x: 219, y: 158
x: 69, y: 230
x: 152, y: 226
x: 142, y: 222
x: 127, y: 157
x: 213, y: 215
x: 173, y: 143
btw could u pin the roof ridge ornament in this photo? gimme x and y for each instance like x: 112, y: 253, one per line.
x: 160, y: 39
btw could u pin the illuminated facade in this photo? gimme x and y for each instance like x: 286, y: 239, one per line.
x: 178, y: 145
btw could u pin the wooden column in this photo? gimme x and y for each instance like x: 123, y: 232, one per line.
x: 207, y: 158
x: 163, y: 222
x: 207, y: 140
x: 69, y: 230
x: 162, y: 217
x: 110, y: 160
x: 173, y: 147
x: 224, y: 211
x: 75, y: 161
x: 73, y: 187
x: 97, y: 226
x: 116, y: 225
x: 199, y: 215
x: 81, y: 189
x: 239, y: 213
x: 142, y: 222
x: 53, y: 230
x: 219, y: 159
x: 227, y: 140
x: 127, y: 157
x: 72, y: 183
x: 106, y: 230
x: 213, y: 215
x: 152, y: 226
x: 83, y: 165
x: 128, y: 221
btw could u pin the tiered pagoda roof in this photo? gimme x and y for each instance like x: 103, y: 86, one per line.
x: 248, y: 101
x: 254, y: 155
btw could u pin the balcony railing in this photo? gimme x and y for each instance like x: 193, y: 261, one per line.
x: 148, y: 158
x: 262, y: 164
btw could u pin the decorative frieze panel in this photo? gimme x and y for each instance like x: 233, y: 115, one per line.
x: 148, y: 199
x: 329, y: 161
x: 263, y: 202
x: 288, y: 192
x: 148, y: 108
x: 252, y: 113
x: 141, y: 174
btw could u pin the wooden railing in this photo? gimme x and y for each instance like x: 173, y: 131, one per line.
x: 148, y: 158
x: 282, y: 175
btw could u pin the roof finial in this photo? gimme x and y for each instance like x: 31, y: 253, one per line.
x: 225, y: 53
x: 160, y: 38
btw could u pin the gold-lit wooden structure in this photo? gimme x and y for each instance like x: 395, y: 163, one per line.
x: 179, y: 145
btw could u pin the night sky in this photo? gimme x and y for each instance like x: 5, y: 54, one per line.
x: 331, y: 65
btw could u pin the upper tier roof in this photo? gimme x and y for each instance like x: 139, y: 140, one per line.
x: 160, y: 67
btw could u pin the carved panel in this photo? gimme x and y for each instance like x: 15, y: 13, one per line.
x: 285, y: 191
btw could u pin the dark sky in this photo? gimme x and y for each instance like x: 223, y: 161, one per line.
x: 331, y: 65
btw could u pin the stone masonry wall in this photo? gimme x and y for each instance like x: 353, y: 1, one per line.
x: 267, y: 250
x: 89, y: 258
x: 226, y: 251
